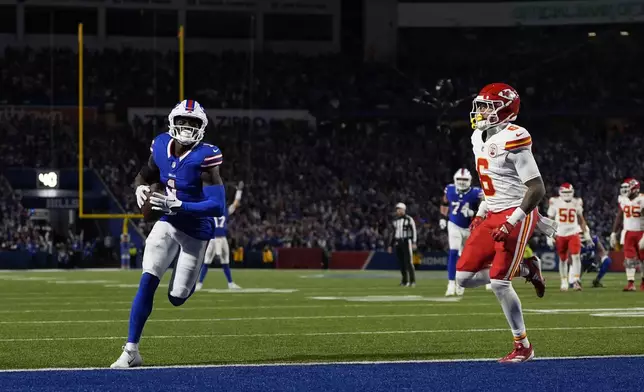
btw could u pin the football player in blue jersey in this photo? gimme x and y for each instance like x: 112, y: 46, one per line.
x: 592, y: 251
x: 218, y: 246
x: 195, y: 193
x: 460, y: 203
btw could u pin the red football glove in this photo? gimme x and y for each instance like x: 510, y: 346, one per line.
x: 501, y: 233
x: 475, y: 222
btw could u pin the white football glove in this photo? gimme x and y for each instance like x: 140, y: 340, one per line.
x: 467, y: 212
x: 140, y: 192
x: 550, y: 241
x: 240, y: 185
x: 166, y: 203
x: 613, y: 240
x: 442, y: 224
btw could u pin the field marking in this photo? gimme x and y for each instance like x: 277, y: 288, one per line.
x: 329, y: 305
x: 582, y: 310
x: 620, y: 314
x: 390, y: 298
x: 313, y: 364
x: 262, y: 318
x: 312, y: 334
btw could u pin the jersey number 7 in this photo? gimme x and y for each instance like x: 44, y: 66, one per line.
x: 486, y: 181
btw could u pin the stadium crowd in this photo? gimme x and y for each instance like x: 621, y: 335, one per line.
x: 334, y: 185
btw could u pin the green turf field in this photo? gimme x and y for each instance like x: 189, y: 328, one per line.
x: 79, y: 319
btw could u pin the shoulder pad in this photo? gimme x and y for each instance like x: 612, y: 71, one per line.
x: 516, y: 138
x: 212, y: 156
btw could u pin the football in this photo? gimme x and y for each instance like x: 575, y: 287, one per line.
x: 150, y: 215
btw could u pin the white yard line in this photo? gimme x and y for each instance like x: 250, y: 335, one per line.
x: 312, y: 334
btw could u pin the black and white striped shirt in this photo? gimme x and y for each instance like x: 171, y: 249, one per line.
x: 404, y: 228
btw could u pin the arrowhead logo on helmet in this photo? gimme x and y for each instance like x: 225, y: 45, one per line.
x: 629, y: 188
x: 496, y: 104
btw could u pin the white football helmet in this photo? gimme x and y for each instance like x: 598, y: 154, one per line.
x: 566, y: 192
x: 463, y: 179
x: 188, y: 121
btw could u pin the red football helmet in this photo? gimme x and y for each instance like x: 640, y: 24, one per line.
x: 496, y: 104
x: 566, y: 191
x: 630, y: 187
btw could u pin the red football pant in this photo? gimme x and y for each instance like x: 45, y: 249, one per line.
x: 503, y: 258
x: 568, y: 245
x: 631, y: 245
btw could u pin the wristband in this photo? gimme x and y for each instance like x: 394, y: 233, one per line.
x: 517, y: 216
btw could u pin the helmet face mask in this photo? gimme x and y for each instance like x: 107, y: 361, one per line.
x: 496, y: 104
x: 187, y: 122
x: 462, y: 180
x: 566, y: 192
x: 630, y: 188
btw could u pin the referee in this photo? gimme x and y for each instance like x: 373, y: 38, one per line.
x: 403, y: 237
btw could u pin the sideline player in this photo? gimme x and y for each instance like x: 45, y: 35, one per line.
x: 568, y: 212
x: 630, y: 216
x: 513, y: 188
x: 460, y: 202
x: 194, y: 194
x: 218, y: 246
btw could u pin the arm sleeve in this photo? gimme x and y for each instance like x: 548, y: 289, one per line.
x: 525, y: 164
x: 413, y: 230
x: 213, y: 205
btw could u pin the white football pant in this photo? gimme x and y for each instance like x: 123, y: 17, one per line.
x: 457, y: 236
x: 166, y: 244
x: 218, y: 246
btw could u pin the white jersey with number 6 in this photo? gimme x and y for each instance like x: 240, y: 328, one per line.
x: 566, y: 214
x: 632, y: 210
x: 504, y: 163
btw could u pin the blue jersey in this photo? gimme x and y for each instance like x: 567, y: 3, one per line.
x: 457, y: 201
x: 589, y: 253
x: 182, y: 175
x: 221, y: 224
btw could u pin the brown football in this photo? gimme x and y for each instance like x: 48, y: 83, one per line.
x: 150, y: 215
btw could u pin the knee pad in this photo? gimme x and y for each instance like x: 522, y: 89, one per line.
x: 463, y: 278
x: 178, y: 296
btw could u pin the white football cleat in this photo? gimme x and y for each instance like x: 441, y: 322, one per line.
x: 198, y: 286
x: 233, y: 286
x: 460, y: 290
x: 128, y: 359
x: 564, y: 286
x: 488, y: 287
x: 451, y: 289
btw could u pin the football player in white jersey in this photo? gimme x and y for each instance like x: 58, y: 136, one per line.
x: 567, y: 210
x: 630, y: 217
x: 218, y: 246
x: 501, y: 229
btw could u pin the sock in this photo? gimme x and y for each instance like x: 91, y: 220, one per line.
x: 473, y: 279
x: 563, y: 271
x: 630, y: 274
x: 142, y: 306
x: 575, y: 269
x: 606, y: 261
x: 229, y: 275
x: 452, y: 259
x: 204, y: 271
x: 511, y: 305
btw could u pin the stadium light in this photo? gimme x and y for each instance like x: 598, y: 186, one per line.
x: 624, y: 33
x: 592, y: 34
